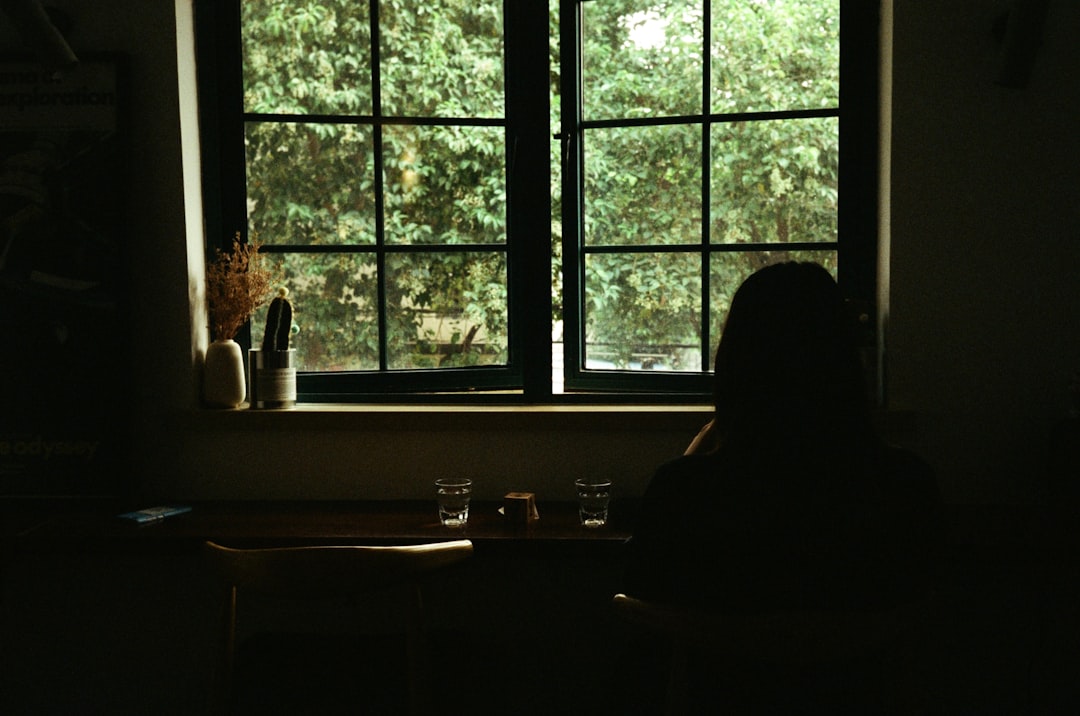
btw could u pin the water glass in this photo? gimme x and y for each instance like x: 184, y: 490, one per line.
x: 593, y: 496
x: 452, y: 494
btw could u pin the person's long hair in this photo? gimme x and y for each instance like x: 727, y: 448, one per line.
x: 788, y: 371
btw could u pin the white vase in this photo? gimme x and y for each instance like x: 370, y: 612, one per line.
x: 223, y: 375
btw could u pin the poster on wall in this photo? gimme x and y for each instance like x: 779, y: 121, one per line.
x: 62, y: 332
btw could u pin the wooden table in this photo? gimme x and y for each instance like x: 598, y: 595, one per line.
x: 96, y: 526
x: 94, y: 599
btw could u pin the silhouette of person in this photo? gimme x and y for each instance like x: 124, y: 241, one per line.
x: 788, y: 499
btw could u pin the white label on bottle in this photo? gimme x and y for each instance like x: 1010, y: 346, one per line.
x: 276, y: 384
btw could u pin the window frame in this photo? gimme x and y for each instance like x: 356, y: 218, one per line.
x: 856, y: 243
x: 527, y: 377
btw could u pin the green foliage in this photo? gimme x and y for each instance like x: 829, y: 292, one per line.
x: 312, y: 185
x: 770, y: 182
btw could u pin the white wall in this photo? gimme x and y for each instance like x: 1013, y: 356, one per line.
x: 984, y: 305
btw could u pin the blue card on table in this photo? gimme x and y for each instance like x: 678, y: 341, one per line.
x: 153, y: 514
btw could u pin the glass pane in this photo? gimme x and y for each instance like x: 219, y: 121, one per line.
x: 643, y: 311
x: 335, y: 306
x: 775, y: 181
x: 306, y: 58
x: 446, y: 310
x: 445, y: 185
x: 641, y: 58
x: 643, y: 185
x: 442, y: 58
x: 310, y: 183
x: 775, y: 54
x: 729, y: 269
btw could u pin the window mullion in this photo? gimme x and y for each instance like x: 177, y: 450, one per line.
x: 706, y: 183
x: 529, y: 192
x: 377, y: 157
x: 570, y: 44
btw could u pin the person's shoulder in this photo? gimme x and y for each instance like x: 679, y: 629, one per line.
x: 683, y: 471
x: 687, y: 466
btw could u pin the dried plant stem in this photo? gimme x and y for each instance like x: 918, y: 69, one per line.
x: 237, y: 284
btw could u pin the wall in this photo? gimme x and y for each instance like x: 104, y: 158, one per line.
x: 983, y: 320
x: 985, y: 304
x: 982, y: 325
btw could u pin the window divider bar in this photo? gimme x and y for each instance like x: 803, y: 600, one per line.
x: 377, y: 162
x: 714, y: 118
x: 711, y: 248
x: 372, y: 248
x: 706, y: 185
x: 375, y: 119
x: 529, y: 194
x: 570, y: 44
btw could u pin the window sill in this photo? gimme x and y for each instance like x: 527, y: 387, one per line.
x: 455, y: 418
x: 894, y: 424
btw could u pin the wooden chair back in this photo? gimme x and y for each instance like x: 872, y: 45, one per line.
x: 313, y: 572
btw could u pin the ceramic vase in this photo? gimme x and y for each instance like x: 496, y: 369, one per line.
x: 223, y: 375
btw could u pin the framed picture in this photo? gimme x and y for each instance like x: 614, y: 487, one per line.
x: 62, y: 357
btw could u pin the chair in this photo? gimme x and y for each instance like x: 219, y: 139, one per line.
x: 792, y: 639
x: 318, y: 572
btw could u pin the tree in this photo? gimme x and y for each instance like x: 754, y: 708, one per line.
x: 770, y: 181
x: 314, y: 183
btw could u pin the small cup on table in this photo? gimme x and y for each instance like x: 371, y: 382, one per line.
x: 593, y: 495
x: 452, y: 495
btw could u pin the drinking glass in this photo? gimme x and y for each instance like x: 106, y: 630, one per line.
x: 452, y: 495
x: 593, y: 497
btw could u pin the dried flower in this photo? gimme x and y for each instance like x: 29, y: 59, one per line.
x: 237, y: 283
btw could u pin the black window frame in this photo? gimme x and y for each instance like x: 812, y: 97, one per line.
x: 527, y: 378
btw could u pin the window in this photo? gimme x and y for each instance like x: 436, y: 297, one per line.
x: 527, y: 199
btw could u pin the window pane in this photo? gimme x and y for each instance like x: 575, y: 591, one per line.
x: 641, y: 58
x: 445, y: 185
x: 335, y: 305
x: 643, y: 185
x: 775, y: 181
x: 643, y: 311
x: 306, y: 58
x: 775, y: 54
x: 310, y: 183
x: 446, y: 310
x: 442, y: 58
x: 729, y: 269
